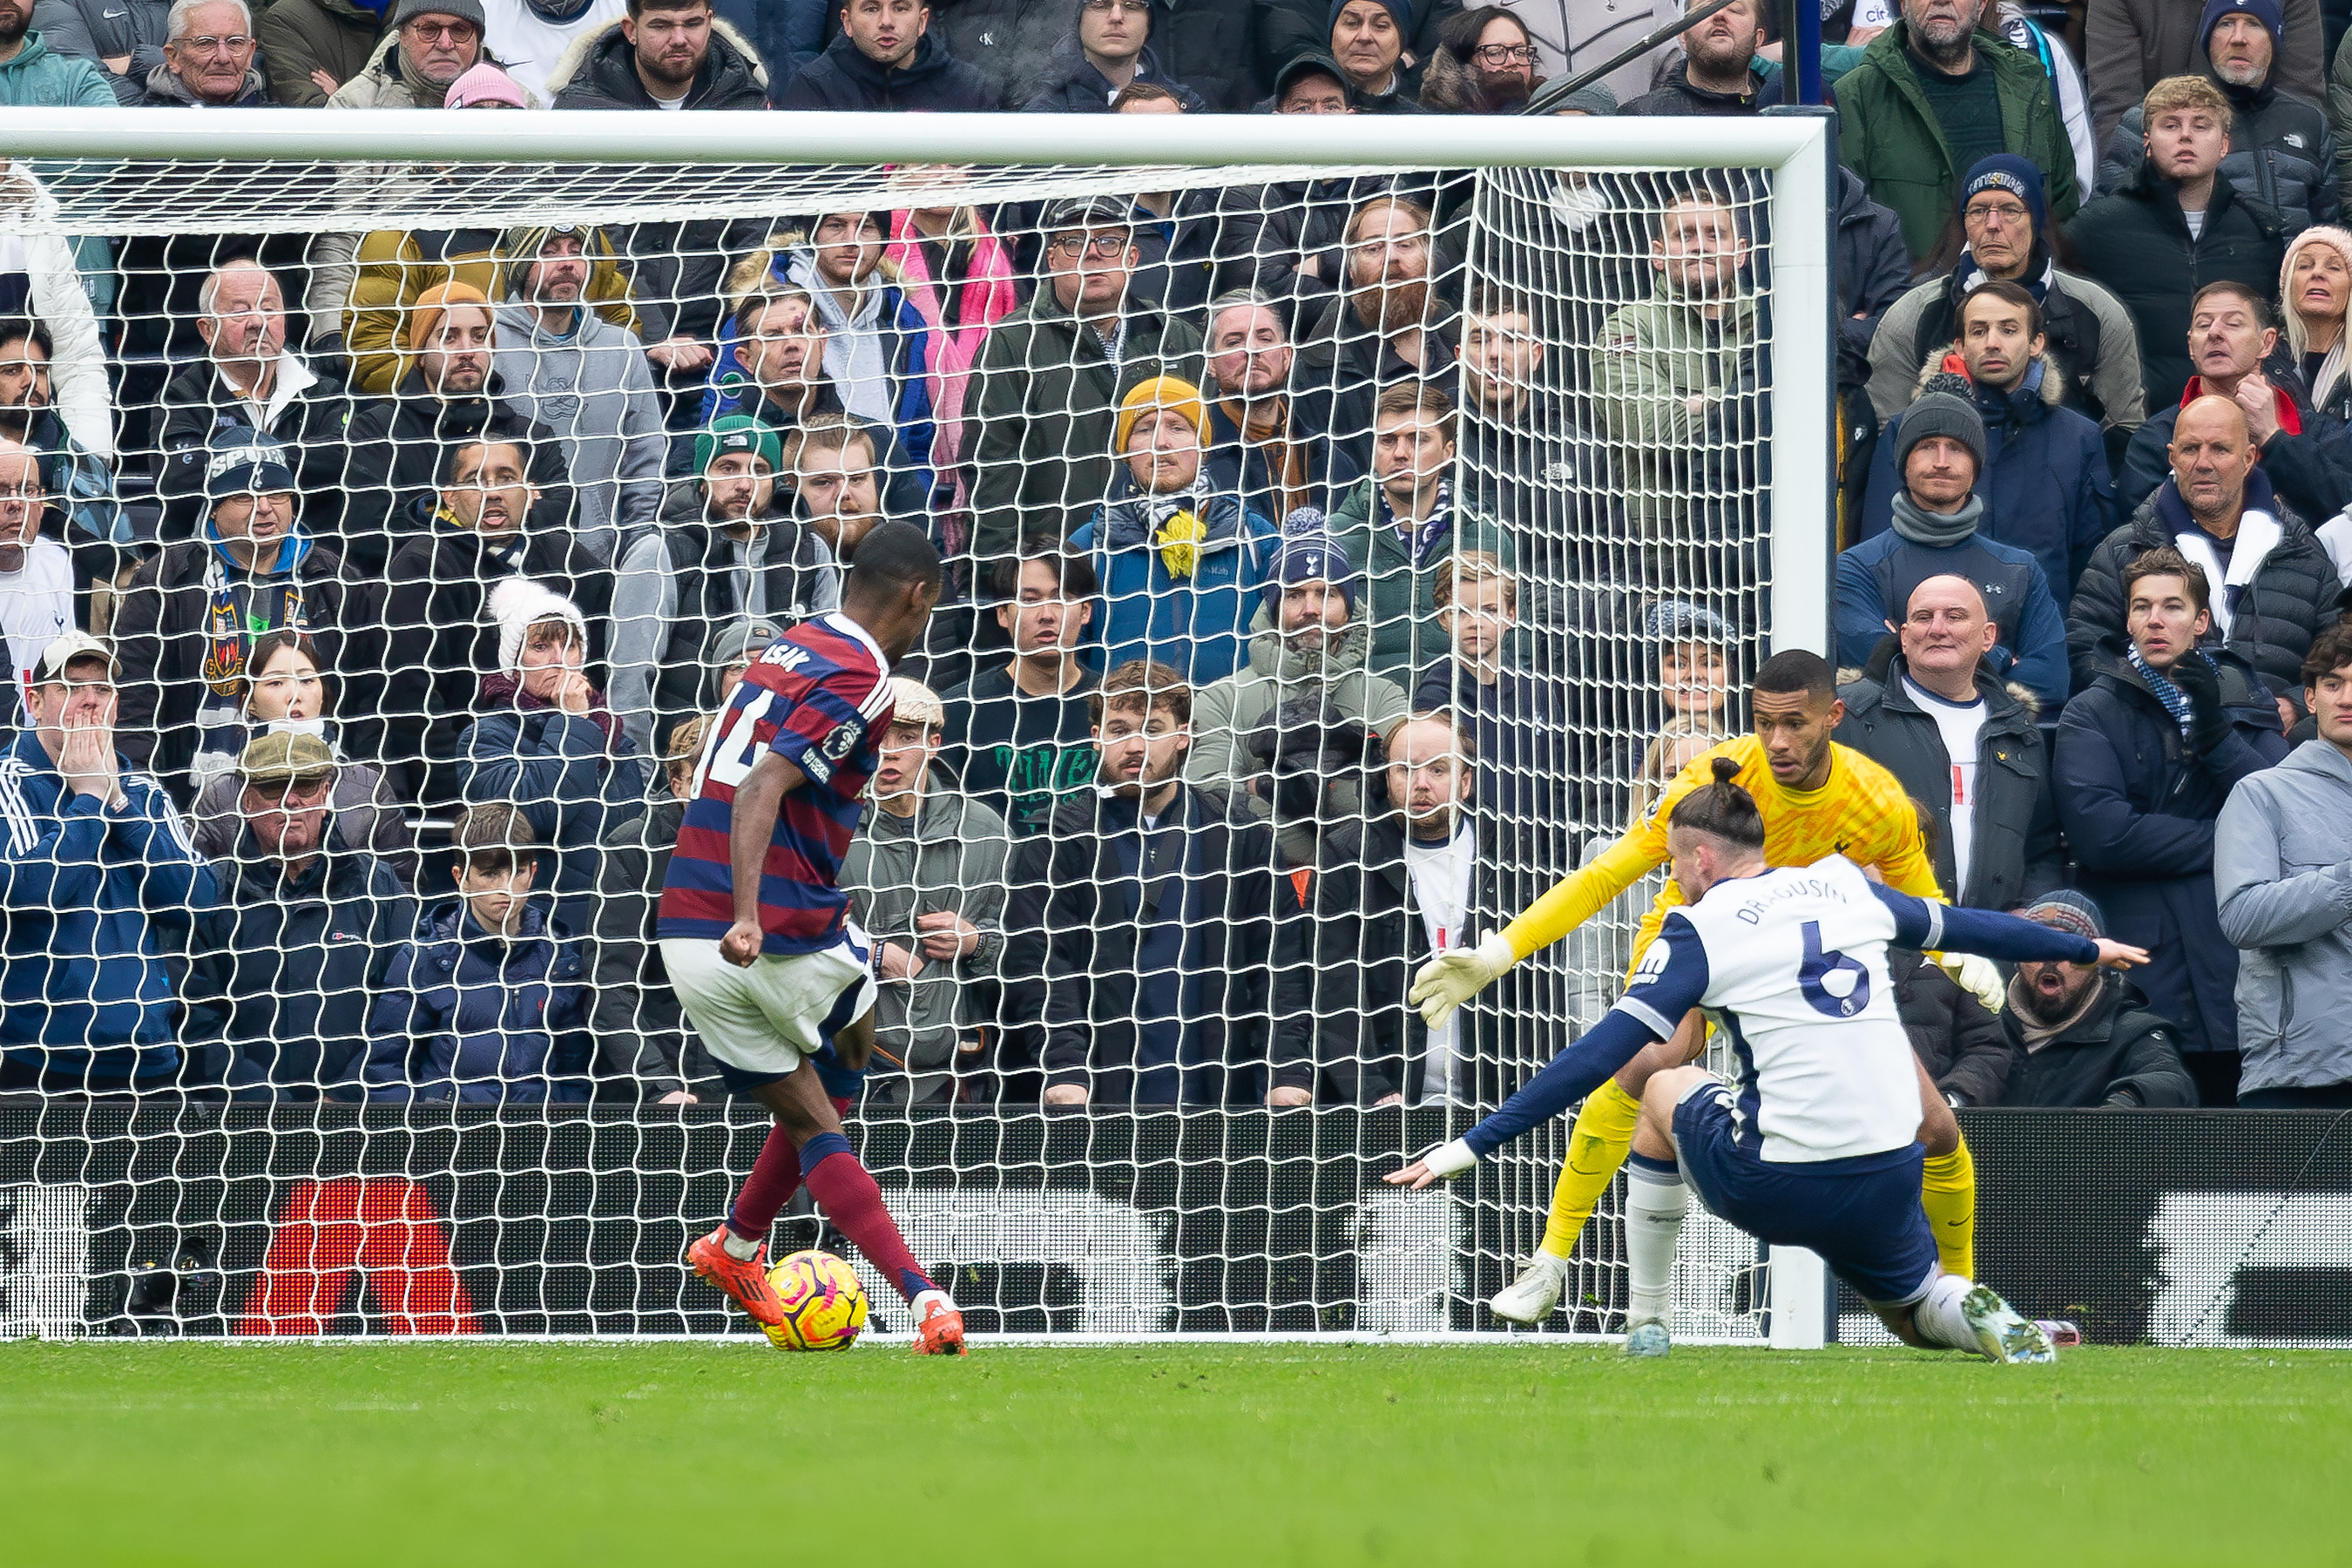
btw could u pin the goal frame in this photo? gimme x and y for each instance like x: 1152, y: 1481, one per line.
x: 1798, y: 146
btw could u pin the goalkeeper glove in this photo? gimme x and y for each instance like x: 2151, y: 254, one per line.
x: 1450, y: 979
x: 1978, y: 977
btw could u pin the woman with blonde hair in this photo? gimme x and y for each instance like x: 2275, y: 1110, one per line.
x: 2315, y: 286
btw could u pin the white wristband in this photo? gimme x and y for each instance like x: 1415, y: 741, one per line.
x: 1450, y: 1158
x: 1495, y: 951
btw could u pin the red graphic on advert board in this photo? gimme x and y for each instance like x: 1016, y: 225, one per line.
x: 384, y: 1229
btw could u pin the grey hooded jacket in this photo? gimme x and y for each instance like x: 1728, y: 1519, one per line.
x: 2282, y: 876
x: 594, y: 390
x: 952, y: 858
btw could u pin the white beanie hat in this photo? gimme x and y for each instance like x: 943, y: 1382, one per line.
x: 518, y: 605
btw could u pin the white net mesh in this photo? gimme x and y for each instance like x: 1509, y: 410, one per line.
x: 1333, y: 446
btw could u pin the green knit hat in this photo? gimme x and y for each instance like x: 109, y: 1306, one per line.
x: 737, y: 433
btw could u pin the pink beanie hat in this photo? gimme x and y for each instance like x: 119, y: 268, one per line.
x: 482, y: 87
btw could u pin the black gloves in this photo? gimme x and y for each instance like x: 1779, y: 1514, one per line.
x: 2209, y: 721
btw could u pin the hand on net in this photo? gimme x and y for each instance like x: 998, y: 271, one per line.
x: 1979, y: 977
x: 1450, y: 979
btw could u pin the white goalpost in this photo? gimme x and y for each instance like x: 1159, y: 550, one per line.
x: 1642, y: 404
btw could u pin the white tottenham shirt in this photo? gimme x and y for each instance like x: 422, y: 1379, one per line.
x: 36, y: 605
x: 1961, y: 724
x: 1441, y: 891
x: 1796, y: 970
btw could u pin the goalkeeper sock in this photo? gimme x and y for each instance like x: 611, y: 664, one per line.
x: 1605, y: 1131
x: 775, y: 1177
x: 1948, y: 1190
x: 1938, y: 1318
x: 846, y: 1192
x: 1655, y: 1203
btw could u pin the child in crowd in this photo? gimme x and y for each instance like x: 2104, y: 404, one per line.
x: 1515, y: 718
x: 490, y: 1001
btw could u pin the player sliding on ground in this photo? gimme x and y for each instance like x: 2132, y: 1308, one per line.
x: 755, y: 929
x: 1817, y: 1148
x: 1818, y: 799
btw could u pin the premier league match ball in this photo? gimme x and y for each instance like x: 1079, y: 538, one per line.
x: 825, y: 1306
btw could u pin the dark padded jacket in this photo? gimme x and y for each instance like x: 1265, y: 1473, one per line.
x: 934, y: 81
x: 393, y: 478
x: 1079, y: 89
x: 197, y: 404
x: 606, y: 74
x: 2119, y: 1054
x: 1961, y: 1044
x: 2014, y: 856
x: 2138, y: 807
x: 1091, y: 925
x: 283, y: 971
x: 2281, y: 153
x: 299, y: 37
x: 2137, y: 242
x: 2045, y: 484
x: 2286, y: 602
x: 1354, y: 1040
x: 468, y: 1017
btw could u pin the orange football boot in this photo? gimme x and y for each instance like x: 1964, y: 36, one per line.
x: 941, y: 1332
x: 745, y: 1279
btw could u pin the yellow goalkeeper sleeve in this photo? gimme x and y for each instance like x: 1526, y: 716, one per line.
x: 1582, y: 894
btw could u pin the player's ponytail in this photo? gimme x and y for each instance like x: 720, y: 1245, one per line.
x: 1722, y: 809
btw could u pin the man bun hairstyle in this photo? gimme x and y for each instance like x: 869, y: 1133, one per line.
x: 1796, y: 669
x: 1721, y: 810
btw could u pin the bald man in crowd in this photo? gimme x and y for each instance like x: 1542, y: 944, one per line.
x: 2272, y: 583
x: 1932, y: 712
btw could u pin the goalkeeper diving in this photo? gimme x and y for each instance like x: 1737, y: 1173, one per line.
x: 1816, y: 799
x: 1816, y: 1146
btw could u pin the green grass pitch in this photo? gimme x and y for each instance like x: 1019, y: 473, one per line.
x: 1220, y: 1456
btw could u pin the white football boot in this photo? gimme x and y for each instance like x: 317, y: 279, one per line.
x: 1530, y: 1297
x: 2002, y: 1334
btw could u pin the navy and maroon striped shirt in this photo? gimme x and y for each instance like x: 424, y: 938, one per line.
x: 820, y: 699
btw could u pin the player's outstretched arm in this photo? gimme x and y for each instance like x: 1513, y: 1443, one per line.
x: 1923, y: 923
x: 750, y: 826
x: 1670, y: 982
x: 1449, y: 980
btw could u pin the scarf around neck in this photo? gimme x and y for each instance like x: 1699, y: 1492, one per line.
x: 2176, y: 701
x: 2037, y: 1033
x: 1936, y: 529
x: 237, y: 607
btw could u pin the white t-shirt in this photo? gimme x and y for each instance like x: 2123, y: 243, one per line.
x: 1960, y: 723
x: 1440, y: 890
x: 36, y: 605
x: 2196, y: 223
x: 529, y: 46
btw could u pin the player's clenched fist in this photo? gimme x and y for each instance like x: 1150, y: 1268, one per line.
x: 741, y: 946
x: 1450, y: 979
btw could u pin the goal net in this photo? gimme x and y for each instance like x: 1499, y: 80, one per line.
x: 1419, y: 494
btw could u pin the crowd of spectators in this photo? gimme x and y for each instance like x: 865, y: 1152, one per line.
x: 1317, y: 595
